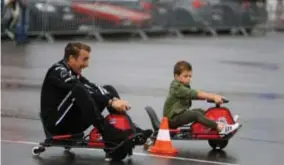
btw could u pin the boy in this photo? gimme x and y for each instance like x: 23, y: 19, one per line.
x: 178, y: 102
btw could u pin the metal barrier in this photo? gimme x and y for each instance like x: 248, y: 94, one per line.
x: 276, y: 15
x: 48, y: 18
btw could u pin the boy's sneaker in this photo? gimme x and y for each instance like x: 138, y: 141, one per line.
x: 227, y: 129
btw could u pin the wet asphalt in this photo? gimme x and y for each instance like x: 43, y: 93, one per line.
x: 249, y: 71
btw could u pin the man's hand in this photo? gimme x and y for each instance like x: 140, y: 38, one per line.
x: 120, y: 105
x: 218, y: 99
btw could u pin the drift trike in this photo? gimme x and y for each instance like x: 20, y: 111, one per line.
x: 116, y: 151
x: 196, y: 131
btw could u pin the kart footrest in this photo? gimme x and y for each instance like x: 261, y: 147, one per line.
x: 67, y: 136
x: 65, y: 143
x: 63, y: 139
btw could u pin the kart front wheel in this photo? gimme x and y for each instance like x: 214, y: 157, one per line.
x: 218, y: 144
x: 150, y: 142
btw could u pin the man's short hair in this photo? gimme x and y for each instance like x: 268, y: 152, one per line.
x: 181, y: 66
x: 73, y: 49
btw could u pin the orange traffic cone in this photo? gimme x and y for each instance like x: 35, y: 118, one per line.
x: 163, y: 144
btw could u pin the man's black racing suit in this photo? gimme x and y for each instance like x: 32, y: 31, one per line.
x: 70, y: 103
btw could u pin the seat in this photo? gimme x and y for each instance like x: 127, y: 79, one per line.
x: 50, y: 136
x: 153, y: 117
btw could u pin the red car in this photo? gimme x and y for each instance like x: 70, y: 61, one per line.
x: 107, y: 15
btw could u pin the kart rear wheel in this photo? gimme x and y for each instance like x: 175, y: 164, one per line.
x: 38, y: 150
x: 67, y: 149
x: 218, y: 144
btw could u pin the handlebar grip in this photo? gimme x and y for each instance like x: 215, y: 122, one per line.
x: 224, y: 101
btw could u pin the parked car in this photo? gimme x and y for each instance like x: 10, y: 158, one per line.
x: 69, y: 16
x: 55, y: 16
x: 158, y: 10
x: 217, y: 14
x: 199, y: 15
x: 248, y: 13
x: 110, y: 15
x: 189, y: 15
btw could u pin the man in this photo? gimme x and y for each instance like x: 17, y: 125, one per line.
x: 14, y: 11
x: 70, y: 103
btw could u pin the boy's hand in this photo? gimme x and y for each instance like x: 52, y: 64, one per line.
x: 218, y: 99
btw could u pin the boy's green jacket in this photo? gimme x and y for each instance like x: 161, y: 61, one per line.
x: 178, y: 99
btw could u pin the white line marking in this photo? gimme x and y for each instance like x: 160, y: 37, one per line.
x: 186, y: 159
x: 135, y: 153
x: 19, y: 142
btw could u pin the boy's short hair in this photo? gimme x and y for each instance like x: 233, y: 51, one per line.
x: 181, y: 66
x: 73, y: 48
